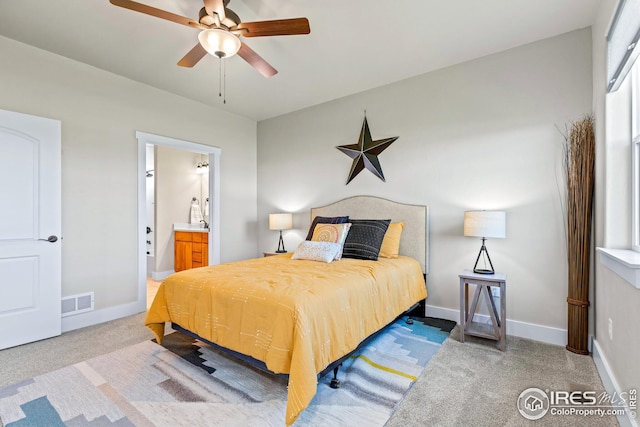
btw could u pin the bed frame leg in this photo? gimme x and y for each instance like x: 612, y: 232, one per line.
x: 335, y: 382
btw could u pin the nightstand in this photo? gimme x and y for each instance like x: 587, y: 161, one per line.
x: 272, y: 253
x: 497, y: 329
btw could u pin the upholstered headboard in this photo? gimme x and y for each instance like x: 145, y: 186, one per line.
x: 415, y: 236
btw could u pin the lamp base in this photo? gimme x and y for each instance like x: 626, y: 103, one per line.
x: 482, y: 271
x: 281, y: 249
x: 483, y: 250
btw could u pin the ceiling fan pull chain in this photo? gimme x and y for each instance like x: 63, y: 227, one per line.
x: 220, y: 77
x: 222, y: 80
x: 224, y: 83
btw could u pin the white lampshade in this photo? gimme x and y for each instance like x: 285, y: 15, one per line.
x: 485, y: 224
x: 280, y: 221
x: 219, y: 42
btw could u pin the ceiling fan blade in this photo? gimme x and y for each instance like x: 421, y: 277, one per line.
x: 256, y: 61
x: 158, y: 13
x: 194, y: 55
x: 278, y: 27
x: 215, y: 6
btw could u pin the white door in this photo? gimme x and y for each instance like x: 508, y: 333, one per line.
x: 30, y: 260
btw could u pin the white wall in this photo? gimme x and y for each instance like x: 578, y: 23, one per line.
x: 486, y: 134
x: 100, y: 113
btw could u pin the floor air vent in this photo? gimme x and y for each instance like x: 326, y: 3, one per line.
x: 76, y: 304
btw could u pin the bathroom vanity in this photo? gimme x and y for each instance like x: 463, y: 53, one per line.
x: 191, y: 248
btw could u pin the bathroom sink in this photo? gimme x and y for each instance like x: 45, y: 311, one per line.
x: 189, y: 227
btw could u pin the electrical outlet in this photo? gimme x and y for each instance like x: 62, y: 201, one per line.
x: 610, y: 329
x: 495, y: 291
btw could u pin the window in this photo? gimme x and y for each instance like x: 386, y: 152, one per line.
x: 623, y: 48
x: 622, y: 128
x: 623, y: 42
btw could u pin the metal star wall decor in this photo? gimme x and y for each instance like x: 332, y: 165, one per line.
x: 365, y: 153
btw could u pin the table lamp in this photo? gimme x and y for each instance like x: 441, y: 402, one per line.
x: 280, y: 221
x: 484, y: 224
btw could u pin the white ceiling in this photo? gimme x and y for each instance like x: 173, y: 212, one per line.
x: 354, y: 45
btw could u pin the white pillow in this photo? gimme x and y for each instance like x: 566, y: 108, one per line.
x: 336, y: 233
x: 317, y: 251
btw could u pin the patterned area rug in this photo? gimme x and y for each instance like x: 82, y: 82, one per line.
x: 188, y: 383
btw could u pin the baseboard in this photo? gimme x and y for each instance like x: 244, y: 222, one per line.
x: 161, y: 275
x: 546, y: 334
x: 610, y: 383
x: 95, y: 317
x: 531, y: 331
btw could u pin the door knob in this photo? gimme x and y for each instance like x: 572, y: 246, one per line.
x: 51, y: 239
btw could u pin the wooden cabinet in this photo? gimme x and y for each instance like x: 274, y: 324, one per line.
x: 191, y: 250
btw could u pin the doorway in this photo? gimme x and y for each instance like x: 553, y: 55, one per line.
x: 212, y: 156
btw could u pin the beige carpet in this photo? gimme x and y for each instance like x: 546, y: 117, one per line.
x: 464, y: 385
x: 475, y: 384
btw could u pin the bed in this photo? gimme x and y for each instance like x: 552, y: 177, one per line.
x: 300, y: 317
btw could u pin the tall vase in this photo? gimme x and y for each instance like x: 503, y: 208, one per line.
x: 579, y: 162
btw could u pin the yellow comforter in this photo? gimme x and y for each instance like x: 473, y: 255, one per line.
x: 296, y: 316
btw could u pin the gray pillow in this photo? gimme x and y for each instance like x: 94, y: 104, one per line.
x: 365, y: 238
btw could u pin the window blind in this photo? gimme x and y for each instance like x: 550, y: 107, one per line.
x: 622, y: 42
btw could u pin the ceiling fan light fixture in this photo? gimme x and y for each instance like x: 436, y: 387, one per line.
x: 219, y: 42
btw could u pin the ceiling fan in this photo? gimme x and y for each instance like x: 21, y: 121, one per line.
x: 221, y: 28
